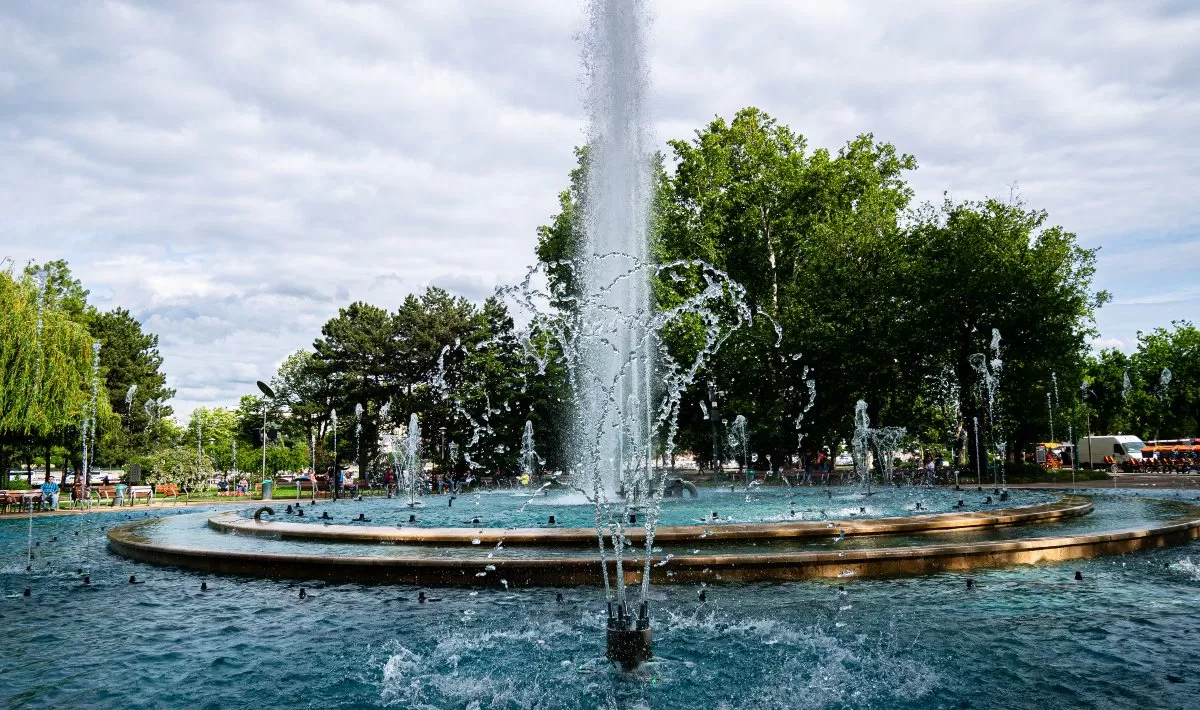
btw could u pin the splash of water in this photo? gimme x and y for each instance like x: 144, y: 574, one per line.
x: 739, y: 441
x: 881, y: 442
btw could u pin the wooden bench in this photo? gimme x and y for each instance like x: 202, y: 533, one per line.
x: 105, y: 493
x: 305, y: 485
x: 21, y: 500
x: 167, y: 489
x: 136, y: 492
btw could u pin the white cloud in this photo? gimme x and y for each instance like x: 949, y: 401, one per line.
x: 233, y: 173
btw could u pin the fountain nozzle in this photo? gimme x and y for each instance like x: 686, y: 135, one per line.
x: 629, y: 639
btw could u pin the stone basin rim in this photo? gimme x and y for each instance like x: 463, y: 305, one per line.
x: 726, y: 567
x: 1065, y: 507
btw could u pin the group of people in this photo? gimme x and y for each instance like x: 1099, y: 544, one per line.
x: 241, y: 487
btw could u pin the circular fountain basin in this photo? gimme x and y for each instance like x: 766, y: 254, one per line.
x: 752, y: 552
x: 708, y: 533
x: 757, y: 504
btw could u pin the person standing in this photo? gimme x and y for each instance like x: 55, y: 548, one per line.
x: 339, y: 480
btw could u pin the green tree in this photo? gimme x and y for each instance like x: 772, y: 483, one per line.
x: 130, y: 359
x: 1173, y: 411
x: 45, y: 373
x: 179, y: 465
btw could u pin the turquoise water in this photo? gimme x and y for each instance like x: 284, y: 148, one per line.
x: 506, y: 509
x: 1024, y: 637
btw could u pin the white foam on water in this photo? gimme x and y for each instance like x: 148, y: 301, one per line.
x: 1191, y: 569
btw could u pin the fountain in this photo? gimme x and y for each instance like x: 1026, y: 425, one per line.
x: 412, y: 459
x: 739, y: 444
x: 989, y: 380
x: 626, y: 391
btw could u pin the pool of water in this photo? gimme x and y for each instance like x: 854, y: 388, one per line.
x: 1024, y: 637
x: 191, y: 531
x: 509, y: 509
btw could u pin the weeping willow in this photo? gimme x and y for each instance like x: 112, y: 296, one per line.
x: 45, y: 370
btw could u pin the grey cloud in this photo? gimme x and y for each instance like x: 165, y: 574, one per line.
x: 234, y: 172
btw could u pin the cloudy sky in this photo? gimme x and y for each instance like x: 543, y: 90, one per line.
x: 233, y: 172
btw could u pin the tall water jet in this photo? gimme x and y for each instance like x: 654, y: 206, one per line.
x: 739, y: 444
x: 989, y: 374
x: 358, y: 411
x: 1164, y: 383
x: 616, y: 290
x: 858, y: 444
x: 601, y: 327
x: 616, y: 238
x: 412, y: 457
x: 529, y: 457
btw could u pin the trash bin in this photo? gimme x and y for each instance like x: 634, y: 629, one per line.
x: 267, y: 486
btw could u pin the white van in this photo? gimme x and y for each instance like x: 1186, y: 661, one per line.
x: 1107, y: 451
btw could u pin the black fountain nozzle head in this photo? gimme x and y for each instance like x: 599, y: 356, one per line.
x: 970, y: 583
x: 632, y: 519
x: 27, y: 592
x: 1078, y: 576
x: 1004, y: 495
x: 288, y: 510
x: 362, y: 517
x: 412, y: 518
x: 551, y: 521
x: 715, y: 516
x: 204, y: 586
x: 474, y: 521
x: 300, y: 512
x: 303, y: 593
x: 133, y: 579
x: 421, y: 597
x: 703, y: 595
x: 450, y: 502
x: 988, y: 501
x: 960, y: 503
x: 629, y: 639
x: 87, y: 579
x: 558, y: 597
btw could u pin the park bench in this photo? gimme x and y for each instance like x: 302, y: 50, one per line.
x: 167, y: 489
x: 20, y: 500
x: 105, y: 493
x: 305, y: 485
x: 136, y: 492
